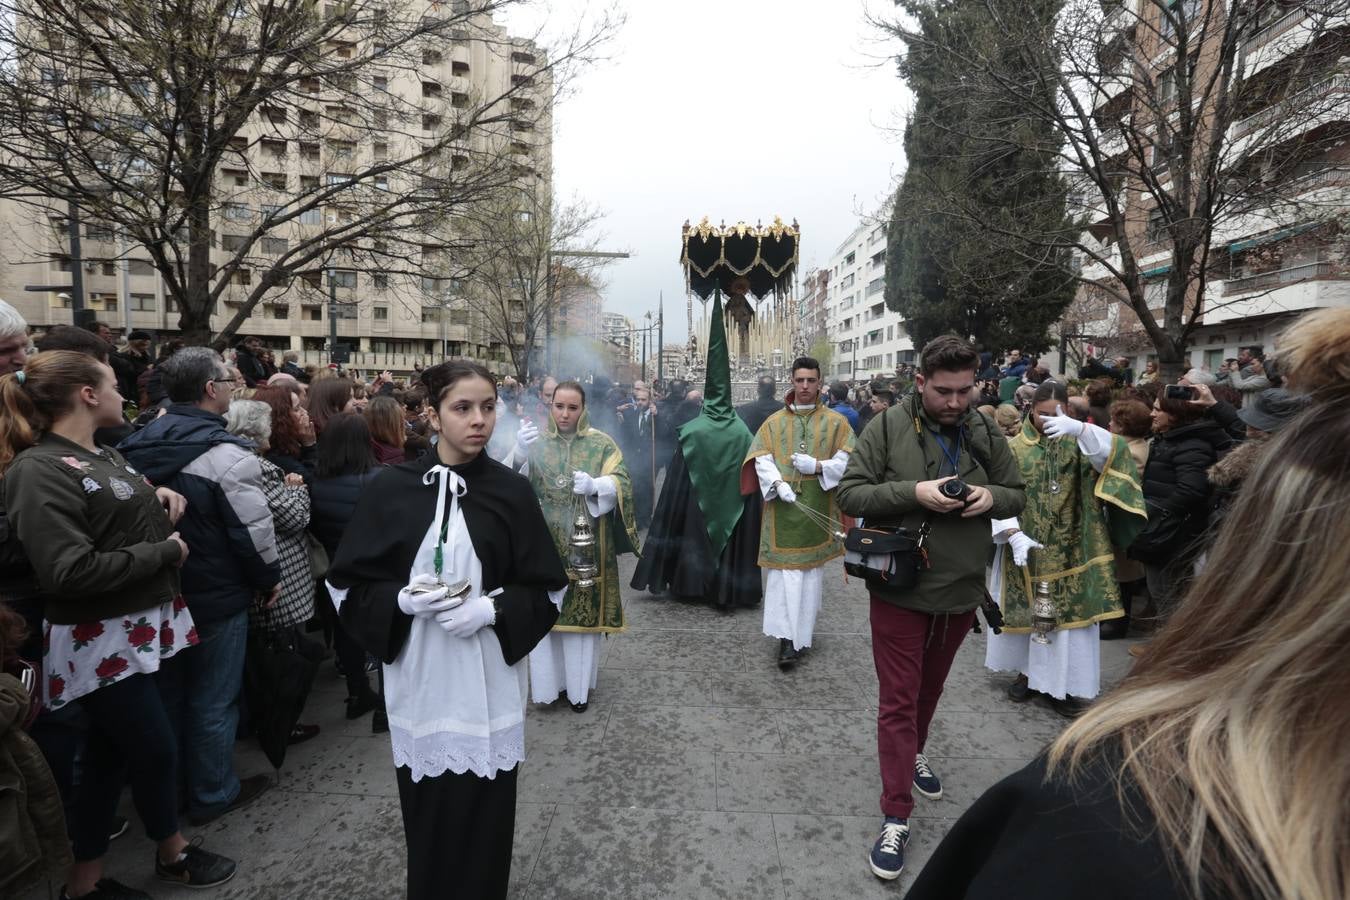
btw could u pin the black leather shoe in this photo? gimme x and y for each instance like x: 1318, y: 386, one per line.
x: 108, y: 889
x: 361, y: 704
x: 579, y: 707
x: 1069, y: 707
x: 787, y: 655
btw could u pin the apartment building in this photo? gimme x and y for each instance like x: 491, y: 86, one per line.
x: 617, y: 329
x: 814, y: 302
x: 385, y: 320
x: 1267, y: 264
x: 868, y: 339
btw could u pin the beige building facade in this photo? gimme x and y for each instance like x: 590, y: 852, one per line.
x: 386, y: 320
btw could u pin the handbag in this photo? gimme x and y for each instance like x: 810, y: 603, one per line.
x: 318, y: 557
x: 888, y: 560
x: 1162, y: 538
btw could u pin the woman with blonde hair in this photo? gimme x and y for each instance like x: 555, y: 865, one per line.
x: 1217, y: 769
x: 388, y: 433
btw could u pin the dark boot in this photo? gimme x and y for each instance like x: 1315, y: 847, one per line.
x: 787, y: 655
x: 1019, y: 691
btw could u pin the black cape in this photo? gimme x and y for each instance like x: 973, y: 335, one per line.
x: 677, y: 556
x: 509, y: 536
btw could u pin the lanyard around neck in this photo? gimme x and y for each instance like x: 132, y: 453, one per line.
x: 954, y: 455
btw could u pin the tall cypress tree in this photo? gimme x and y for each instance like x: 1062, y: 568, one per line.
x: 974, y: 160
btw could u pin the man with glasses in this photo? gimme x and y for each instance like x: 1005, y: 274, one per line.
x: 233, y: 560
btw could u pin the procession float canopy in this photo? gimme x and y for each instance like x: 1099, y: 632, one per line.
x: 714, y: 256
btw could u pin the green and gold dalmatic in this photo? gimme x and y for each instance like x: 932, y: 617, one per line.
x: 787, y: 538
x: 1067, y: 511
x: 596, y: 454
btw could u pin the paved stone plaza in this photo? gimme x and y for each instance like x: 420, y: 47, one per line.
x: 699, y: 771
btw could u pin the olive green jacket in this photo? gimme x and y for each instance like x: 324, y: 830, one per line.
x: 894, y: 453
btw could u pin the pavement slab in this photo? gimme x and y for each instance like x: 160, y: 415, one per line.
x: 699, y: 771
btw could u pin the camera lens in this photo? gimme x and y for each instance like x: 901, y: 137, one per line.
x: 956, y: 489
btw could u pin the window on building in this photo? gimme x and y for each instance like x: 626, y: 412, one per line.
x: 341, y: 149
x: 236, y: 177
x: 459, y: 317
x: 347, y: 310
x: 380, y: 151
x: 141, y: 302
x: 432, y: 58
x: 309, y: 183
x: 459, y: 68
x: 108, y: 267
x: 343, y: 278
x: 380, y: 281
x: 278, y: 311
x: 309, y: 151
x: 311, y: 217
x: 313, y: 314
x: 275, y: 246
x: 849, y: 260
x: 309, y: 119
x: 380, y: 82
x: 847, y: 281
x: 459, y: 100
x: 333, y: 179
x: 237, y: 212
x: 431, y: 122
x: 431, y: 315
x: 242, y: 276
x: 380, y: 119
x: 233, y: 242
x: 431, y: 284
x: 380, y: 313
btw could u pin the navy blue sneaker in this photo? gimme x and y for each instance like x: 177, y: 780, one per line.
x: 888, y: 853
x: 926, y: 781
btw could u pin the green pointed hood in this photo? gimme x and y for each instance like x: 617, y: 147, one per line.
x: 715, y: 443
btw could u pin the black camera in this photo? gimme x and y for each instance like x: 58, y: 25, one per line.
x: 956, y: 489
x: 1179, y: 392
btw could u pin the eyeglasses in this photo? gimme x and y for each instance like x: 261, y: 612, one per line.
x: 224, y: 380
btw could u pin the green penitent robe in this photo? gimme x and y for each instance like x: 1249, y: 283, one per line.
x: 787, y: 538
x: 1076, y: 525
x: 556, y: 457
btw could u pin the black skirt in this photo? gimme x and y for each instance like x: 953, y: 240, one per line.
x: 677, y: 556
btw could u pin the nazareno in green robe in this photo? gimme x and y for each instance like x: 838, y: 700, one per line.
x: 596, y: 454
x: 1076, y: 525
x: 787, y: 538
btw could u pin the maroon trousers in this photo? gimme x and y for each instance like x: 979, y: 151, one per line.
x: 913, y: 652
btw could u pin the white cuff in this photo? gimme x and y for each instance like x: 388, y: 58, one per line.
x: 556, y: 597
x: 339, y: 595
x: 832, y: 470
x: 605, y: 497
x: 1095, y: 442
x: 1003, y: 528
x: 767, y: 470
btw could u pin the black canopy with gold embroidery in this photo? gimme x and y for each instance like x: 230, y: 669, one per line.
x: 713, y: 257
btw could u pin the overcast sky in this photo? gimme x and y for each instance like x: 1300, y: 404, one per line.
x: 733, y: 109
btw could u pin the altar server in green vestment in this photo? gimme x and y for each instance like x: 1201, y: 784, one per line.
x: 573, y: 467
x: 799, y: 455
x: 1083, y: 496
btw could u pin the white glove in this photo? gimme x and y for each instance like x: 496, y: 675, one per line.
x: 804, y: 463
x: 527, y: 435
x: 583, y: 484
x: 785, y: 493
x: 1021, y: 545
x: 427, y: 603
x: 1060, y: 425
x: 468, y: 618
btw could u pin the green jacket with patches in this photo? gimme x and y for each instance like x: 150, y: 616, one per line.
x: 895, y: 452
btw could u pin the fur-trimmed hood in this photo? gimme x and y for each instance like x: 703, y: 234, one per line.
x: 1234, y: 468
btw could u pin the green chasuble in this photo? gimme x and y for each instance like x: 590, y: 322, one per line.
x: 1075, y: 527
x: 787, y: 538
x: 596, y: 454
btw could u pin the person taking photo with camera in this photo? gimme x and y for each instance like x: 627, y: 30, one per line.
x: 931, y: 462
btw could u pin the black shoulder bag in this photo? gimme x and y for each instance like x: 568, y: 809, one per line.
x: 888, y: 560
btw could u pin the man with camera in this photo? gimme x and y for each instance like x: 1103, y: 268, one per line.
x: 932, y: 461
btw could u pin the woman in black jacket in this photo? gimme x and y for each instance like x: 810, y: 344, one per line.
x: 1185, y: 444
x: 345, y: 466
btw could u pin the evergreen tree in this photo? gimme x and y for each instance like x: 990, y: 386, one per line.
x: 974, y: 160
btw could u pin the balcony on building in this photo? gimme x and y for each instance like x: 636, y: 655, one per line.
x: 1282, y: 29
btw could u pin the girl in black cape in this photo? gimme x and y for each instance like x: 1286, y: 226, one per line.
x: 454, y: 676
